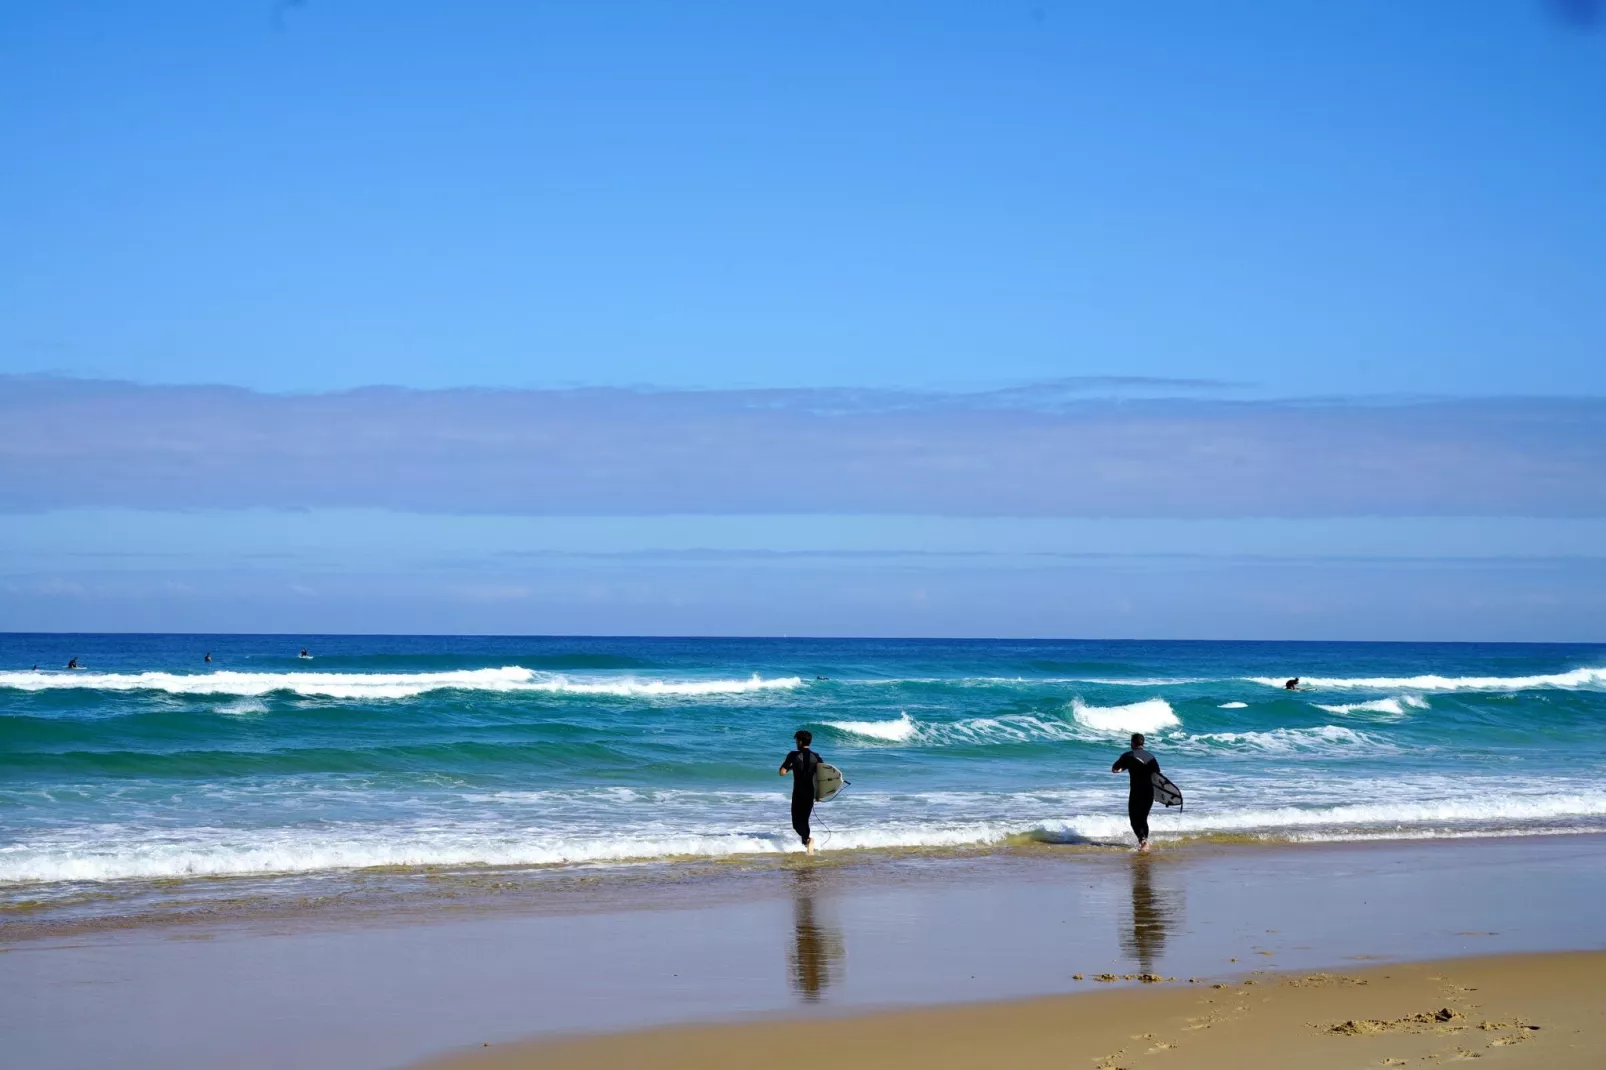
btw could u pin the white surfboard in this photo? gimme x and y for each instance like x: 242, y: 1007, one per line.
x: 827, y: 782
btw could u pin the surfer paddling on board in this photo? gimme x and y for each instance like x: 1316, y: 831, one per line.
x: 802, y: 763
x: 1141, y: 765
x: 1291, y: 685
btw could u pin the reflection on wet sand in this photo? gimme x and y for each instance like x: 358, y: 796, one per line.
x: 816, y: 955
x: 1154, y: 915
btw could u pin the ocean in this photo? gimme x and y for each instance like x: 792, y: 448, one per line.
x: 148, y: 767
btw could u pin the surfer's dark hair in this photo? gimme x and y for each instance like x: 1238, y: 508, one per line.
x: 1137, y: 739
x: 803, y: 736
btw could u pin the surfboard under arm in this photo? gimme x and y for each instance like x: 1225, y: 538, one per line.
x: 1165, y: 792
x: 827, y: 782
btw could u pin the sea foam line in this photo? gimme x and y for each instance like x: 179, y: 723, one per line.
x: 1329, y: 740
x: 510, y: 678
x: 1110, y: 724
x: 1576, y: 678
x: 1087, y: 723
x: 1150, y: 715
x: 899, y: 731
x: 211, y: 852
x: 1394, y: 706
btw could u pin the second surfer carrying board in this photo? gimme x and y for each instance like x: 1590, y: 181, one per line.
x: 1142, y: 766
x: 802, y: 763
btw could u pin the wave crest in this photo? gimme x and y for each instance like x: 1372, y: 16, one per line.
x: 1576, y: 678
x: 115, y: 854
x: 1150, y: 715
x: 509, y: 678
x: 900, y: 731
x: 1328, y: 740
x: 1393, y: 706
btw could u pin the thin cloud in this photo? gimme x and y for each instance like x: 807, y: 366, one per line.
x: 67, y: 443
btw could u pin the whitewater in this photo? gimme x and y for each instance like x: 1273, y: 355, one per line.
x: 151, y: 764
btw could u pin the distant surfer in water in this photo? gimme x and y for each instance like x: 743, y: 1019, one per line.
x: 801, y: 763
x: 1142, y: 766
x: 1291, y: 685
x: 72, y: 664
x: 208, y: 656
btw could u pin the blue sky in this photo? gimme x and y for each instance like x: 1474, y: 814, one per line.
x: 1306, y: 197
x: 875, y: 279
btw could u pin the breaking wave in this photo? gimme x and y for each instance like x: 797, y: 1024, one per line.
x: 217, y: 852
x: 1150, y: 715
x: 1088, y: 724
x: 383, y: 685
x: 974, y: 731
x: 1394, y: 706
x: 1328, y: 740
x: 1574, y: 679
x: 900, y: 731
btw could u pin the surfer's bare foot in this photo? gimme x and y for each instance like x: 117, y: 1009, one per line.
x: 810, y: 847
x: 1143, y: 847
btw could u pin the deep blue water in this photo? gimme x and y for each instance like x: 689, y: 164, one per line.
x: 466, y: 750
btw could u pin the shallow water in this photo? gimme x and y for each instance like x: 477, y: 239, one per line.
x: 795, y: 937
x: 465, y: 751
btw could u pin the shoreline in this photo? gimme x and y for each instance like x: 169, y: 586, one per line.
x: 346, y: 897
x: 1520, y: 1010
x: 379, y: 989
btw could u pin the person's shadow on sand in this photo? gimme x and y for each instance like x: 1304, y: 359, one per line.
x: 1154, y: 914
x: 815, y: 959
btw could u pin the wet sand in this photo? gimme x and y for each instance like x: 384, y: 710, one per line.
x: 1515, y: 1011
x: 846, y: 934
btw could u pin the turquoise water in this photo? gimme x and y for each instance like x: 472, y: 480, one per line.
x: 443, y: 751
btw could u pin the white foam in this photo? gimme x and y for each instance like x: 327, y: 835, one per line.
x: 1331, y: 740
x: 974, y: 731
x: 654, y: 688
x: 1233, y: 706
x: 1394, y: 706
x: 1139, y: 681
x: 286, y: 852
x: 900, y: 731
x: 384, y: 685
x: 1150, y: 715
x: 105, y: 853
x: 1574, y: 679
x: 993, y: 681
x: 1006, y: 728
x: 1438, y: 812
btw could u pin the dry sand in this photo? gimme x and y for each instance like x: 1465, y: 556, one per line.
x: 1516, y: 1011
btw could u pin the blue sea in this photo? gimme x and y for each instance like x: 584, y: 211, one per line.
x: 421, y: 752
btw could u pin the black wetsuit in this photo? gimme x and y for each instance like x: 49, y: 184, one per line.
x: 1138, y: 764
x: 802, y: 763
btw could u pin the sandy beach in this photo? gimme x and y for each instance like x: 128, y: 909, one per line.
x: 1517, y: 1011
x: 935, y: 958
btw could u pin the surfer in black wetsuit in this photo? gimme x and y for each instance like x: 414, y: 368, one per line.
x: 1141, y: 765
x: 1291, y: 685
x: 801, y: 763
